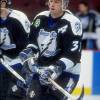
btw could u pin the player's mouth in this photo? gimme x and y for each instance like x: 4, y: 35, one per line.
x: 52, y: 9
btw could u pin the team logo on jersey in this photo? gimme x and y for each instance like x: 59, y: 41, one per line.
x: 43, y: 32
x: 53, y: 34
x: 3, y: 34
x: 47, y: 40
x: 5, y: 39
x: 63, y: 29
x: 78, y: 28
x: 37, y: 23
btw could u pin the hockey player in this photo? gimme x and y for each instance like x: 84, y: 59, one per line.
x: 56, y: 38
x: 91, y: 22
x: 14, y: 29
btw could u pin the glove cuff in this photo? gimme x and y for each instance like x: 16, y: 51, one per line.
x: 57, y: 70
x: 33, y: 47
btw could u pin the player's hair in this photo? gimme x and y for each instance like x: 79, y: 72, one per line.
x: 85, y: 3
x: 64, y: 4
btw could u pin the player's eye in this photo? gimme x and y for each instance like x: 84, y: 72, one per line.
x: 50, y: 1
x: 57, y: 1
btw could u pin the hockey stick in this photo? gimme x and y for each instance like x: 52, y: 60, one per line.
x: 61, y: 89
x: 9, y: 68
x: 52, y: 81
x: 67, y: 94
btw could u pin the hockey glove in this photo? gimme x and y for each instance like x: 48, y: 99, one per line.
x: 52, y: 72
x: 21, y: 89
x: 28, y: 52
x: 25, y: 54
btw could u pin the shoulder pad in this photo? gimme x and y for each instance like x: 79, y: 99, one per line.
x: 68, y: 11
x: 22, y: 18
x: 94, y: 12
x: 37, y: 20
x: 44, y: 13
x: 75, y: 23
x: 97, y: 17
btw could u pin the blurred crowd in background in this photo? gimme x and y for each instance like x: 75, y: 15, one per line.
x: 88, y: 12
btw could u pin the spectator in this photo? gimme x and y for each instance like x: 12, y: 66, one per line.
x: 91, y: 21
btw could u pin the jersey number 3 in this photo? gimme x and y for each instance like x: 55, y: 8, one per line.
x: 75, y: 45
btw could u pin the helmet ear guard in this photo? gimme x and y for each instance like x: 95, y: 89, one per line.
x: 65, y: 4
x: 9, y: 3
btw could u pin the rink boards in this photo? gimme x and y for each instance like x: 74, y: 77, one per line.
x: 90, y: 73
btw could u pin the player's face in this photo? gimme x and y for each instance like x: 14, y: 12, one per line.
x: 3, y: 3
x: 3, y: 9
x: 83, y: 8
x: 55, y: 7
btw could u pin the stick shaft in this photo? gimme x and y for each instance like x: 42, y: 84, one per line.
x: 9, y: 68
x: 61, y: 89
